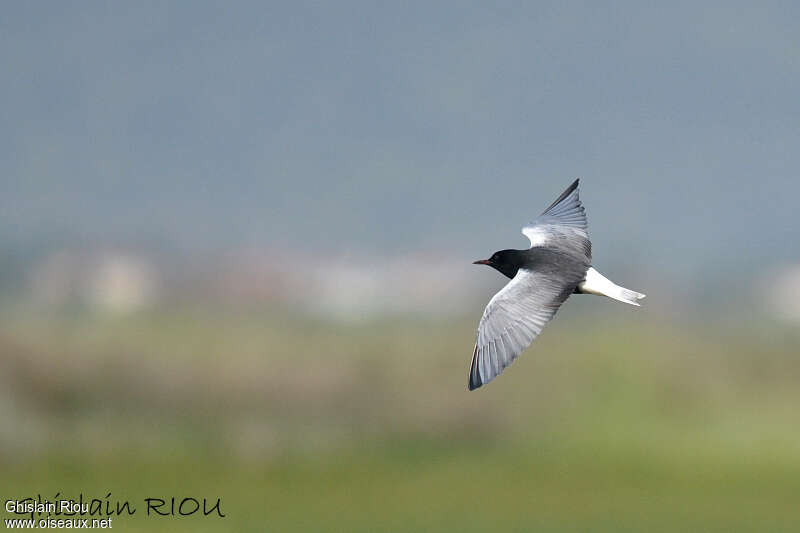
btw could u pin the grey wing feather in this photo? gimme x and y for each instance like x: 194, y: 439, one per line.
x: 563, y: 225
x: 514, y: 317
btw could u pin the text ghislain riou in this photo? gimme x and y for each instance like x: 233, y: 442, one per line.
x: 171, y: 506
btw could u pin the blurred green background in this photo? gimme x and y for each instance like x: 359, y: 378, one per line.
x: 298, y: 424
x: 235, y: 263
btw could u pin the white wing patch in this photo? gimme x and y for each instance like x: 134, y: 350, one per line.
x: 544, y: 234
x: 537, y: 235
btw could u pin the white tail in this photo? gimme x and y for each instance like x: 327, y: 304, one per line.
x: 596, y: 283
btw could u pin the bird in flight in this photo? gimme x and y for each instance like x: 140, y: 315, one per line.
x: 558, y: 264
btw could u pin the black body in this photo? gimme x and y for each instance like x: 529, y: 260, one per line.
x: 538, y: 259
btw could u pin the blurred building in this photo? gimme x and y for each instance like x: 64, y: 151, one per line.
x: 780, y: 291
x: 105, y: 281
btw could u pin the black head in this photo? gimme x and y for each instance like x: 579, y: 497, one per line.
x: 507, y: 262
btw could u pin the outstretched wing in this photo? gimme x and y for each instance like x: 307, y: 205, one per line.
x: 563, y: 226
x: 518, y: 313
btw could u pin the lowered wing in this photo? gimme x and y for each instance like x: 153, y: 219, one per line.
x: 517, y: 315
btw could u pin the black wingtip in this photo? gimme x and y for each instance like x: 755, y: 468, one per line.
x: 570, y: 189
x: 474, y: 382
x: 573, y: 185
x: 474, y: 376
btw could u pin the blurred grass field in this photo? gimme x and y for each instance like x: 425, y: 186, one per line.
x: 299, y: 424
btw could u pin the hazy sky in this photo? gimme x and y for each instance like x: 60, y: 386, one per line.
x: 395, y: 127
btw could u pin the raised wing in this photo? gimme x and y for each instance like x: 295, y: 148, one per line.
x: 563, y: 225
x: 517, y: 314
